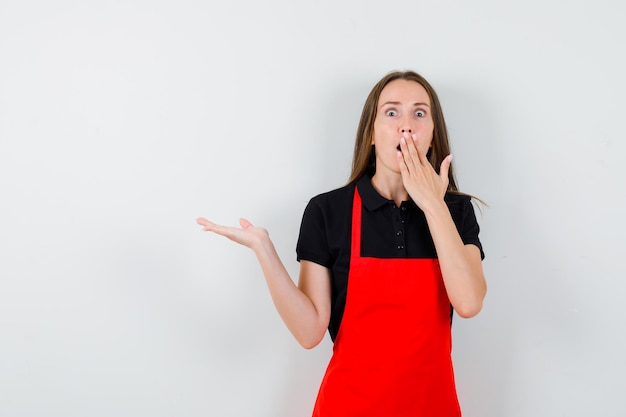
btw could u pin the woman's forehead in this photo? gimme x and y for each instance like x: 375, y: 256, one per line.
x: 404, y: 92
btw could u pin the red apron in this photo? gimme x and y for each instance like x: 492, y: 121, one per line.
x: 391, y: 357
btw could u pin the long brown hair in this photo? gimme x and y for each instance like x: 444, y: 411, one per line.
x: 364, y: 160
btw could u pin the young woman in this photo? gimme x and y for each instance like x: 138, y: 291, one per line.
x: 384, y: 261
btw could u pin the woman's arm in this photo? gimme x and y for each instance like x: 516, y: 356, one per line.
x: 460, y: 264
x: 305, y: 308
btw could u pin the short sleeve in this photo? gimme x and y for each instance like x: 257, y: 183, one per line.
x: 469, y: 228
x: 462, y: 211
x: 313, y: 239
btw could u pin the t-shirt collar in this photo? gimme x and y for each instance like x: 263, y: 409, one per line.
x: 369, y: 196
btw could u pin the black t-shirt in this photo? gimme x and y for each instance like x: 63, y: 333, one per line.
x: 387, y: 231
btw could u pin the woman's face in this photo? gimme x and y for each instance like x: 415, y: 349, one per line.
x: 403, y: 108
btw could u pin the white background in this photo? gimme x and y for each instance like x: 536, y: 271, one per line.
x: 123, y: 121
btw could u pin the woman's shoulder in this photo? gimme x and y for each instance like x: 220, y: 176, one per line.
x: 335, y: 196
x: 460, y: 205
x: 331, y: 206
x: 327, y: 215
x: 457, y: 198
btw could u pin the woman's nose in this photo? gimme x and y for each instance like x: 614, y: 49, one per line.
x: 405, y: 125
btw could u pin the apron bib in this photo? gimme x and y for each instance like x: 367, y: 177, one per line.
x: 391, y: 357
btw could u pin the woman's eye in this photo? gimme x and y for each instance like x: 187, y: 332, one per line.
x: 391, y: 113
x: 420, y: 113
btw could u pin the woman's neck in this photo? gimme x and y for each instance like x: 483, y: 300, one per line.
x: 390, y: 187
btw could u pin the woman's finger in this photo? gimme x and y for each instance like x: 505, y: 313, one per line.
x: 205, y: 223
x: 413, y: 147
x: 246, y: 235
x: 209, y: 226
x: 445, y: 167
x: 409, y: 153
x: 245, y: 223
x: 421, y: 148
x: 404, y: 170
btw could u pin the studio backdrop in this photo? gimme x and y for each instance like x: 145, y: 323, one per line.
x: 121, y: 122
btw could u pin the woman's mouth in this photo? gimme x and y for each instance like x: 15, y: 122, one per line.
x: 398, y: 148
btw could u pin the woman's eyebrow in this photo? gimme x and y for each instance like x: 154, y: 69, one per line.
x: 396, y: 103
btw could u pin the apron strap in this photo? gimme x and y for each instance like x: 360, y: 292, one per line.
x: 355, y: 249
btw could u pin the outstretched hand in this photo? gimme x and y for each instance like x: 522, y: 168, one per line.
x: 420, y: 179
x: 247, y: 235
